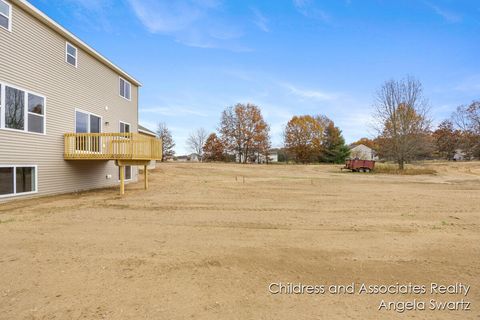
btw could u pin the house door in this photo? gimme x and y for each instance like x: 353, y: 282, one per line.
x: 88, y: 123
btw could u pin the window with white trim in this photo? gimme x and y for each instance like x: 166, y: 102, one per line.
x: 124, y: 127
x: 5, y: 15
x: 21, y: 109
x: 71, y: 54
x: 17, y: 180
x: 88, y: 123
x: 125, y: 89
x: 128, y: 172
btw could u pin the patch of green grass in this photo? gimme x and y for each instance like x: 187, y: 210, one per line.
x: 7, y: 221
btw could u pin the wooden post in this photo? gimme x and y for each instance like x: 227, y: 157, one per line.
x: 122, y: 180
x: 145, y: 173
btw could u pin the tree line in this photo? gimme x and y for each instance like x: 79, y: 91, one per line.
x: 404, y: 126
x: 401, y: 119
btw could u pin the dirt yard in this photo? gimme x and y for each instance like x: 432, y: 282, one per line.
x: 207, y: 240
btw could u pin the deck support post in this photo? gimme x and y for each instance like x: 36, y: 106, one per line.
x: 145, y: 173
x: 122, y: 180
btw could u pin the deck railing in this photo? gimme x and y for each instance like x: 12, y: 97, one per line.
x: 111, y: 146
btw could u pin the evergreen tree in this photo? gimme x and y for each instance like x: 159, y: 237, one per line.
x: 334, y: 148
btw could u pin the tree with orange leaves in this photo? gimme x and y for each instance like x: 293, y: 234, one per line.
x: 303, y: 137
x: 244, y: 132
x: 213, y: 149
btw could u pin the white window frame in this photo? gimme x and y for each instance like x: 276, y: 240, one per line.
x: 131, y: 173
x: 9, y: 17
x: 101, y: 128
x: 3, y: 107
x: 120, y: 79
x: 15, y: 194
x: 89, y: 114
x: 125, y: 123
x: 68, y: 54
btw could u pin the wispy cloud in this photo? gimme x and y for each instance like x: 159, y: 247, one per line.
x: 309, y: 94
x: 195, y: 23
x: 310, y: 10
x: 260, y: 20
x: 447, y: 15
x: 173, y: 111
x: 92, y: 14
x: 470, y: 85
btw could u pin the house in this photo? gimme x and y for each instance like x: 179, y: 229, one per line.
x: 362, y: 152
x: 273, y: 155
x: 194, y: 157
x: 459, y: 155
x: 148, y: 133
x: 68, y: 115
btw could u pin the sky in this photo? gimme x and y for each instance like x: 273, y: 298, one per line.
x: 289, y: 57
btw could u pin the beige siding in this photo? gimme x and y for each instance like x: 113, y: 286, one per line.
x: 33, y: 57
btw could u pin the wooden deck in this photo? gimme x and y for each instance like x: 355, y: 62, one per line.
x: 111, y: 146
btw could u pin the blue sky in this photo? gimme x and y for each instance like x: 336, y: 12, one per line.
x: 195, y: 57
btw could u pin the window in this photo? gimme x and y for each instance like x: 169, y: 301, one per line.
x: 14, y: 109
x: 128, y: 173
x: 21, y: 110
x: 17, y: 180
x: 125, y: 89
x: 71, y: 55
x: 124, y: 127
x: 87, y: 123
x: 5, y: 15
x: 36, y: 106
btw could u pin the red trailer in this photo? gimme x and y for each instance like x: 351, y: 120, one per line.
x: 359, y: 165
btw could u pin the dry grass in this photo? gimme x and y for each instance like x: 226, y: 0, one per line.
x: 410, y: 170
x: 203, y: 244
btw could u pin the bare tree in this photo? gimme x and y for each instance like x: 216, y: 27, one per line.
x: 402, y: 120
x: 467, y: 119
x: 168, y: 144
x: 196, y: 141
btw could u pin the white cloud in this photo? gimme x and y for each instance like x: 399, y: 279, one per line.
x: 195, y: 23
x: 309, y: 94
x: 173, y: 111
x: 470, y: 85
x: 447, y: 15
x: 310, y: 10
x: 260, y: 20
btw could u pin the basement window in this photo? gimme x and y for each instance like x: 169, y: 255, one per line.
x: 5, y: 15
x: 71, y: 54
x: 17, y: 180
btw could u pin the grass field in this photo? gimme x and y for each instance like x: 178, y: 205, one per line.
x: 207, y: 240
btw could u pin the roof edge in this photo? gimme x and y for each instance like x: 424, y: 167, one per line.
x: 34, y: 11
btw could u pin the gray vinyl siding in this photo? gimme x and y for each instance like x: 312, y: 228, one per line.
x: 33, y: 57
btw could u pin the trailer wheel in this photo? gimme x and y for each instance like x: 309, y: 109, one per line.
x: 367, y: 170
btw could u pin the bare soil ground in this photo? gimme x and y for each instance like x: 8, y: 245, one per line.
x: 204, y: 244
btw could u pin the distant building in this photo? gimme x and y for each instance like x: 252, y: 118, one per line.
x: 148, y: 133
x: 194, y: 157
x: 362, y: 152
x: 459, y: 155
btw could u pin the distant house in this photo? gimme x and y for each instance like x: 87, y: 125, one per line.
x: 273, y: 155
x: 150, y: 134
x: 362, y: 152
x: 194, y: 157
x: 146, y: 132
x: 459, y: 155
